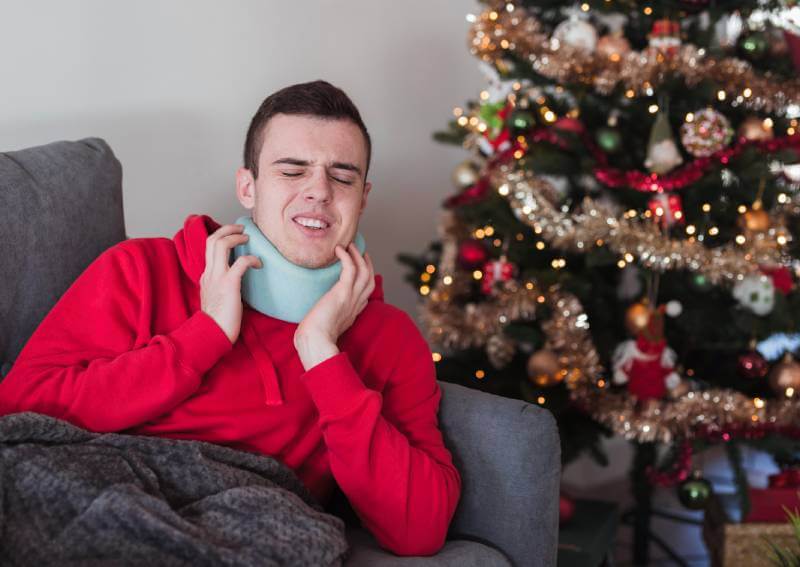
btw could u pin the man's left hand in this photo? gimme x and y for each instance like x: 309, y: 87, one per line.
x: 316, y: 335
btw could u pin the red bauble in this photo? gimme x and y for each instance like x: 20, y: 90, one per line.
x: 472, y: 254
x: 566, y: 508
x: 752, y: 365
x: 573, y: 125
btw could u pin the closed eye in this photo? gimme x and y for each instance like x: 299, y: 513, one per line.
x: 346, y: 182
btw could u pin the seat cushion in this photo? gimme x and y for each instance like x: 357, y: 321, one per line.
x: 365, y: 552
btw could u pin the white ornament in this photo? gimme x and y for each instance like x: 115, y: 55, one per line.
x: 757, y: 293
x: 728, y: 29
x: 576, y: 33
x: 674, y: 308
x: 663, y: 157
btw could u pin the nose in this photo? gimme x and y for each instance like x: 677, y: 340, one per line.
x: 319, y: 187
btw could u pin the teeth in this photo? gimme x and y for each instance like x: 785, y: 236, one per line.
x: 313, y: 223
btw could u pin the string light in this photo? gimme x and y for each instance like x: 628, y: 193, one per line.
x: 740, y: 239
x: 447, y: 280
x: 437, y: 357
x: 477, y: 274
x: 424, y: 290
x: 479, y: 374
x: 430, y: 268
x: 653, y: 108
x: 706, y: 207
x: 540, y: 400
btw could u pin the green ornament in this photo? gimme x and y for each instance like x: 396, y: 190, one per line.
x: 754, y: 45
x: 695, y: 492
x: 609, y: 139
x: 488, y: 113
x: 522, y: 120
x: 701, y: 282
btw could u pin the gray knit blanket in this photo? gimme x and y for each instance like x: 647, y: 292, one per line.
x: 72, y: 497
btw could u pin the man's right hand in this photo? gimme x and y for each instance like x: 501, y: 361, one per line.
x: 221, y: 284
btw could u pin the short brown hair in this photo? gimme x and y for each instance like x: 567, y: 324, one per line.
x: 316, y: 98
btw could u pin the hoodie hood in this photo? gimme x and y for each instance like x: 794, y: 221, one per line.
x: 190, y: 244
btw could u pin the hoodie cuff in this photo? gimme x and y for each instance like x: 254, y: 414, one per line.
x: 334, y: 385
x: 200, y: 342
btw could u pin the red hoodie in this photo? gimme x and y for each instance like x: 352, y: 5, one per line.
x: 127, y: 349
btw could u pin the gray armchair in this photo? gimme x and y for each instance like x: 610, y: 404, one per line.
x: 70, y: 193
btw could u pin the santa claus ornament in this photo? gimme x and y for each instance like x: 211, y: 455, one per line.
x: 646, y: 364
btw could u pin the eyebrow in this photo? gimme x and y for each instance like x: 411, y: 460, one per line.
x: 335, y: 164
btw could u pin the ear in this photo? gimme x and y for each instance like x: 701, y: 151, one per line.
x: 246, y: 188
x: 367, y: 187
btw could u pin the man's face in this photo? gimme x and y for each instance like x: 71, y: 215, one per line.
x: 308, y: 168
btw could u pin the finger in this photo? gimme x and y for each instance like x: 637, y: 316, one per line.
x: 241, y: 264
x: 370, y: 285
x: 222, y: 250
x: 216, y: 235
x: 362, y: 270
x: 348, y: 268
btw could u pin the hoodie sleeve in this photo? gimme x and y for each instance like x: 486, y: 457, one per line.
x: 385, y: 449
x: 86, y: 364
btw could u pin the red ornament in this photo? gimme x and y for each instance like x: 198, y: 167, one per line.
x: 472, y: 254
x: 666, y: 36
x: 566, y: 508
x: 566, y: 124
x: 793, y: 41
x: 471, y: 195
x: 781, y: 277
x: 495, y: 271
x: 667, y: 209
x: 752, y: 365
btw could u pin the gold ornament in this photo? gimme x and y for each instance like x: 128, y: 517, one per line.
x: 755, y: 129
x: 637, y: 316
x: 756, y: 219
x: 785, y: 377
x: 466, y: 174
x: 613, y: 47
x: 544, y: 369
x: 500, y: 350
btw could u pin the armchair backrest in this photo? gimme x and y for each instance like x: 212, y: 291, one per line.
x: 60, y: 207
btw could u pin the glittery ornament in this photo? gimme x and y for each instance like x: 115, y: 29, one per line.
x: 466, y: 174
x: 751, y: 364
x: 472, y: 254
x: 755, y: 129
x: 784, y: 379
x: 500, y: 350
x: 695, y: 492
x: 662, y: 152
x: 613, y: 47
x: 576, y: 33
x: 496, y: 272
x: 544, y: 369
x: 707, y: 133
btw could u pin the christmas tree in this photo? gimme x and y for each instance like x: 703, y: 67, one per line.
x: 622, y: 245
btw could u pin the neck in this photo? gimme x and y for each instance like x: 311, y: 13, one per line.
x: 281, y: 288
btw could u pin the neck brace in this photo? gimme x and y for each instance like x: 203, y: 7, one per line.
x: 282, y: 289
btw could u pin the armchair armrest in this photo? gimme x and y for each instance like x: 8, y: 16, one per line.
x: 509, y: 456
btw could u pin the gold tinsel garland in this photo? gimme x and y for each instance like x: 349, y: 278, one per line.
x: 453, y: 326
x: 497, y: 30
x: 597, y: 225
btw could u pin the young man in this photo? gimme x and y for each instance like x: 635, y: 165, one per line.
x: 269, y: 335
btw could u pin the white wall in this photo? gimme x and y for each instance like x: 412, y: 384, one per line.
x: 172, y: 85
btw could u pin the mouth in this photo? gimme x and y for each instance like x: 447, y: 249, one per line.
x: 312, y: 228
